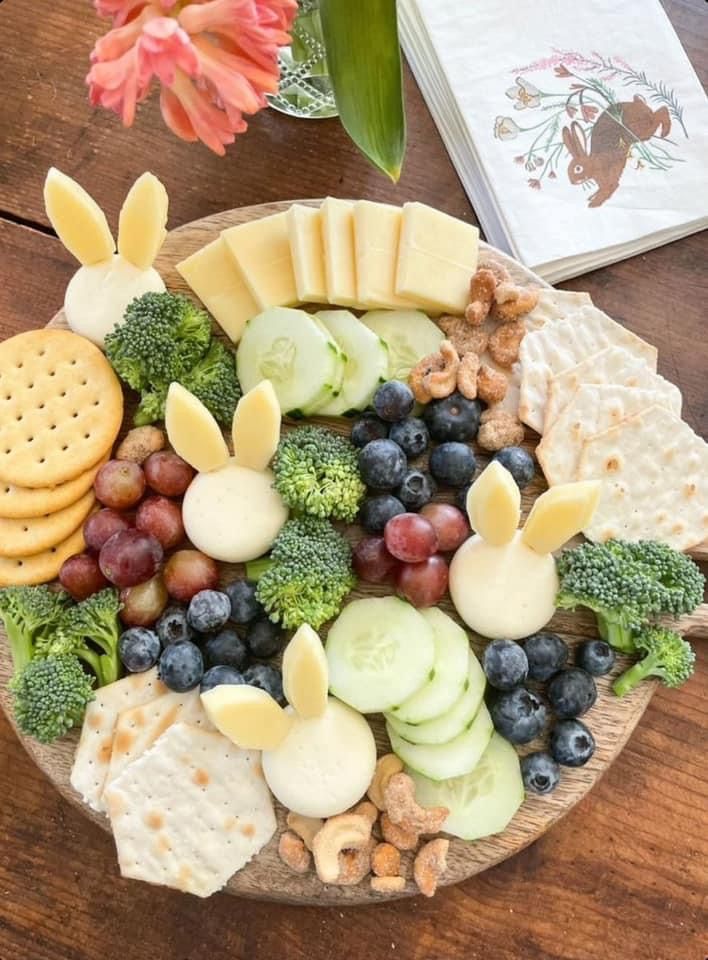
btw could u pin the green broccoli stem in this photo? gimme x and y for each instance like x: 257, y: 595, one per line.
x: 616, y: 634
x: 631, y: 678
x: 21, y: 647
x: 255, y: 569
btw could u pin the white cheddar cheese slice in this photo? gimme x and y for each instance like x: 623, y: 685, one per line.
x: 261, y: 250
x: 339, y: 256
x: 494, y: 504
x: 306, y: 250
x: 377, y: 230
x: 142, y: 226
x: 305, y: 673
x: 248, y: 716
x: 193, y: 432
x: 80, y: 223
x: 560, y: 513
x: 256, y: 427
x: 214, y: 276
x: 437, y: 256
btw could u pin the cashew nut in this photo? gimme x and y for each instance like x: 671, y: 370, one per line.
x: 436, y: 375
x: 513, y: 301
x: 467, y: 375
x: 385, y: 860
x: 504, y: 343
x: 404, y: 811
x: 388, y: 884
x: 354, y: 865
x: 499, y: 429
x: 430, y: 864
x: 491, y: 384
x: 293, y: 853
x: 464, y: 338
x: 482, y: 287
x: 386, y: 766
x: 345, y: 832
x: 398, y: 835
x: 304, y: 827
x: 368, y: 810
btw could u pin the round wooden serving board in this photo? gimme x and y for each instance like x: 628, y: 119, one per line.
x: 611, y: 720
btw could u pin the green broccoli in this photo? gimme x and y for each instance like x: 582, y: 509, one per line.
x: 89, y: 630
x: 213, y: 380
x: 307, y: 576
x: 30, y: 615
x: 628, y: 585
x: 666, y: 656
x: 50, y: 697
x: 317, y: 473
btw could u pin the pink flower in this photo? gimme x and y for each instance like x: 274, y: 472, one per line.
x: 589, y: 113
x: 214, y: 59
x: 562, y: 71
x: 535, y: 184
x: 551, y: 175
x: 570, y: 110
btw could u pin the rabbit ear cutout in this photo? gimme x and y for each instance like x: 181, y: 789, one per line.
x: 569, y: 141
x: 142, y: 223
x: 580, y: 138
x: 256, y: 427
x: 560, y: 513
x: 494, y: 505
x: 193, y: 432
x: 248, y: 716
x: 80, y: 223
x: 305, y: 673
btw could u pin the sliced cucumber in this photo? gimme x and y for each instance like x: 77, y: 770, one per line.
x: 379, y: 651
x: 449, y: 673
x: 289, y: 348
x: 482, y: 802
x: 409, y: 335
x: 367, y: 361
x: 338, y: 378
x: 444, y: 760
x: 458, y: 717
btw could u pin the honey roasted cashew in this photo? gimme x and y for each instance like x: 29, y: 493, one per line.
x: 504, y: 343
x: 386, y: 767
x: 388, y: 884
x: 398, y: 835
x: 491, y: 384
x: 385, y: 860
x: 340, y: 834
x: 464, y: 337
x: 368, y: 810
x: 499, y: 429
x: 430, y: 864
x: 512, y: 301
x: 403, y: 809
x: 293, y: 852
x: 467, y: 375
x: 482, y: 289
x: 304, y: 827
x: 435, y: 376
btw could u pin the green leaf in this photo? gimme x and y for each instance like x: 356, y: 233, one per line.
x: 364, y: 59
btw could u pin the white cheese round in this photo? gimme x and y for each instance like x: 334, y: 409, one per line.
x: 233, y: 514
x: 325, y: 764
x: 503, y: 592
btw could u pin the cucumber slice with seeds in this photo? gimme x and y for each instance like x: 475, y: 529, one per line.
x: 409, y: 336
x: 318, y: 406
x: 444, y: 760
x: 366, y: 366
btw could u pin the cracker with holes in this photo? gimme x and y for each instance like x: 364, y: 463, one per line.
x: 190, y: 812
x: 40, y: 567
x: 61, y: 407
x: 26, y: 537
x: 22, y: 502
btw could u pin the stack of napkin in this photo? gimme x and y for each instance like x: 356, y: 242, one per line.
x: 579, y: 131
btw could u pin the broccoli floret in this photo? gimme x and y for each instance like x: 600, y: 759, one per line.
x: 307, y: 576
x: 317, y: 473
x: 213, y: 380
x: 151, y: 406
x: 628, y: 585
x: 50, y: 697
x: 90, y: 630
x: 30, y: 614
x: 666, y: 656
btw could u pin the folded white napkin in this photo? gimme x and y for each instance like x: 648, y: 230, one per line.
x: 579, y: 131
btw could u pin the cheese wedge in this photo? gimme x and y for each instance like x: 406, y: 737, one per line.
x: 193, y: 432
x: 78, y: 220
x: 339, y: 256
x: 494, y: 505
x: 305, y: 673
x: 142, y: 223
x: 306, y: 250
x: 560, y: 513
x: 377, y: 229
x: 248, y: 716
x: 213, y: 275
x: 261, y: 250
x: 437, y: 256
x: 256, y: 427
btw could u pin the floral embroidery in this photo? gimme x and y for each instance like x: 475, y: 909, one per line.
x: 505, y: 128
x: 525, y: 94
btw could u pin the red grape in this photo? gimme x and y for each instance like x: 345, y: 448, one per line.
x: 410, y: 537
x: 451, y: 525
x: 130, y: 557
x: 423, y: 584
x: 163, y: 519
x: 167, y: 473
x: 102, y: 525
x: 373, y: 562
x: 144, y: 603
x: 189, y: 571
x: 81, y: 576
x: 119, y: 484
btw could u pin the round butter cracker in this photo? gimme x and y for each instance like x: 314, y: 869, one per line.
x: 41, y: 567
x: 24, y: 538
x: 23, y: 502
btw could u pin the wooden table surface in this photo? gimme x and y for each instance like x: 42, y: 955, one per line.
x: 625, y: 875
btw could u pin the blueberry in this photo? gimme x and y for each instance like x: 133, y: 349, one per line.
x: 546, y: 654
x: 218, y: 675
x: 540, y: 772
x: 181, y: 666
x: 244, y: 606
x: 208, y: 610
x: 172, y: 627
x: 138, y: 649
x: 264, y: 638
x: 461, y: 497
x: 453, y: 464
x: 518, y: 715
x: 375, y: 512
x: 393, y: 401
x: 367, y: 428
x: 572, y: 744
x: 411, y: 435
x: 597, y: 657
x: 454, y: 418
x: 226, y: 649
x: 382, y: 464
x: 505, y: 664
x: 519, y: 463
x: 267, y: 678
x: 417, y: 488
x: 571, y: 693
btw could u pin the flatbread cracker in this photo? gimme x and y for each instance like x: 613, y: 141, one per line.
x: 190, y: 812
x: 93, y: 754
x: 23, y: 538
x: 40, y: 567
x: 655, y: 473
x: 21, y: 502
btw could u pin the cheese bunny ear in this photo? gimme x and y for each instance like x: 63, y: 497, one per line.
x: 248, y: 716
x: 193, y: 432
x: 80, y: 223
x: 560, y: 513
x: 494, y: 505
x: 142, y: 223
x: 306, y: 674
x: 256, y: 427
